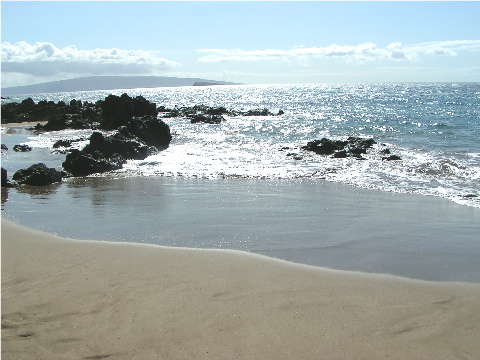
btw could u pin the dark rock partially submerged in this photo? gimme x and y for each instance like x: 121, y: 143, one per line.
x: 5, y: 180
x: 353, y: 146
x: 139, y: 132
x: 211, y: 115
x: 81, y: 163
x: 150, y: 130
x: 119, y: 110
x: 325, y: 146
x: 22, y: 148
x: 258, y: 112
x: 392, y: 157
x: 59, y: 116
x: 105, y: 154
x: 140, y: 138
x: 55, y: 124
x: 207, y: 119
x: 38, y: 175
x: 62, y: 143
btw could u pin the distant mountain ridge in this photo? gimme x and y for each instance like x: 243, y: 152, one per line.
x: 91, y: 83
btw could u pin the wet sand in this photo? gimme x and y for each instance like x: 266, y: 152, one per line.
x: 311, y: 222
x: 70, y: 299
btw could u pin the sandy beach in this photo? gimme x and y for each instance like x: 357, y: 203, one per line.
x: 23, y: 125
x: 71, y: 299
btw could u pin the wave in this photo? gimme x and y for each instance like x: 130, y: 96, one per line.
x: 433, y: 128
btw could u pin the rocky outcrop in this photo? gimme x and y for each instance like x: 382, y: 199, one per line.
x: 81, y: 163
x: 324, y: 146
x: 111, y: 113
x: 206, y: 119
x: 391, y: 158
x: 139, y: 132
x: 353, y: 146
x: 210, y: 115
x: 150, y: 130
x: 59, y: 116
x: 5, y: 180
x: 119, y: 110
x: 105, y: 154
x: 258, y: 112
x: 140, y: 138
x: 62, y: 143
x: 4, y: 176
x: 55, y: 123
x: 22, y: 148
x: 37, y: 175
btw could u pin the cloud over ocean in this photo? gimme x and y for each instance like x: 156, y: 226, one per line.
x: 44, y: 59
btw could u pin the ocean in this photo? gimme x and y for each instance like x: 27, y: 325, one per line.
x: 433, y: 128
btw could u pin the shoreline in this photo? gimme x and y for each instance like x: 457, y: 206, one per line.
x: 24, y: 125
x: 317, y: 223
x: 71, y: 299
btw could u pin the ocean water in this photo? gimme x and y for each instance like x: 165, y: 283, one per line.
x: 246, y: 184
x: 434, y: 128
x: 307, y: 221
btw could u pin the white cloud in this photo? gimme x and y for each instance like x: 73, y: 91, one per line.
x: 440, y: 51
x: 445, y: 48
x: 457, y: 45
x: 223, y: 75
x: 44, y: 59
x: 353, y: 53
x: 241, y: 55
x: 362, y: 52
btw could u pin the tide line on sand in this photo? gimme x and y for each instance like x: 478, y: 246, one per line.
x: 72, y: 299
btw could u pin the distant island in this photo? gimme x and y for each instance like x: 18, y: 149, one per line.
x: 92, y: 83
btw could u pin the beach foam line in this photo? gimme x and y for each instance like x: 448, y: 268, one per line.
x: 73, y: 299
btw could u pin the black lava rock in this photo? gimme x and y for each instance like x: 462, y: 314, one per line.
x: 392, y: 157
x: 59, y: 116
x: 5, y: 181
x: 207, y: 119
x: 258, y: 112
x: 106, y: 153
x: 81, y: 163
x: 62, y: 143
x: 353, y: 146
x: 152, y: 131
x: 38, y: 175
x: 325, y: 146
x: 56, y: 124
x: 22, y: 148
x: 117, y: 111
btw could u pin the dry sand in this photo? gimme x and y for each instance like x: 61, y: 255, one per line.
x: 69, y: 299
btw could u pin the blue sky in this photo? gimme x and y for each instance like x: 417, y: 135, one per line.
x: 248, y: 42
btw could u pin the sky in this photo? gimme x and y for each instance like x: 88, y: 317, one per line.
x: 250, y: 42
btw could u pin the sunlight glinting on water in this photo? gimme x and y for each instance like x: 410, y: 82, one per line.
x: 433, y: 127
